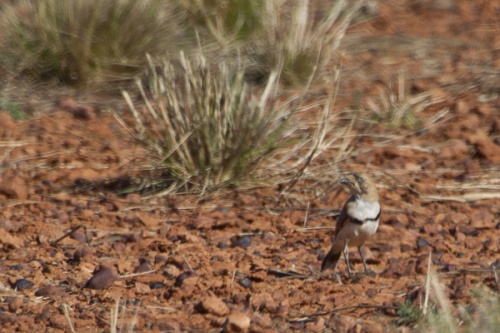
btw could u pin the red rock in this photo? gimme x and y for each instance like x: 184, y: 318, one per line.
x: 79, y: 236
x: 14, y: 303
x: 83, y: 253
x: 213, y: 305
x: 457, y: 218
x: 394, y: 269
x: 58, y: 321
x: 316, y: 326
x: 341, y: 323
x: 9, y: 240
x: 461, y: 287
x: 489, y: 149
x: 431, y: 229
x: 142, y: 288
x: 49, y: 291
x: 14, y: 187
x: 454, y: 149
x: 144, y: 266
x: 86, y: 174
x: 7, y: 319
x: 202, y: 222
x: 483, y: 219
x: 148, y: 220
x: 236, y: 322
x: 467, y: 230
x: 103, y: 278
x: 84, y: 112
x: 67, y: 103
x: 264, y: 302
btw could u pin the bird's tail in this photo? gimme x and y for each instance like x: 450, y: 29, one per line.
x: 331, y: 260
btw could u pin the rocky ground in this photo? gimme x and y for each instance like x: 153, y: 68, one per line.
x: 236, y: 259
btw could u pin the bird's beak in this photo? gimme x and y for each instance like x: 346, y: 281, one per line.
x: 350, y: 186
x: 345, y: 181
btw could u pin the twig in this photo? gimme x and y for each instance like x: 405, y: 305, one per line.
x: 318, y: 139
x: 335, y: 310
x: 495, y: 275
x: 114, y: 316
x: 427, y: 284
x: 72, y: 230
x: 307, y: 214
x: 313, y: 228
x: 297, y: 176
x: 13, y: 144
x: 471, y: 271
x: 134, y: 318
x: 187, y: 262
x: 232, y: 280
x: 288, y: 274
x: 137, y: 274
x: 462, y: 198
x: 164, y: 308
x: 18, y: 203
x: 68, y: 319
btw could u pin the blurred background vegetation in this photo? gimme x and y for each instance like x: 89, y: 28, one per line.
x: 92, y: 42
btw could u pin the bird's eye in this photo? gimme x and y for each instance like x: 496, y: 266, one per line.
x: 358, y: 179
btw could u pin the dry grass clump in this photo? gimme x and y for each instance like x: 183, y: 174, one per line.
x: 438, y: 314
x: 298, y: 37
x: 481, y: 316
x: 86, y: 41
x: 396, y: 108
x: 205, y: 128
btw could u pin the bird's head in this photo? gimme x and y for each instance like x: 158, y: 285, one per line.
x: 360, y: 185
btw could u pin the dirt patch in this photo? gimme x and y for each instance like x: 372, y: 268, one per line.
x: 237, y: 261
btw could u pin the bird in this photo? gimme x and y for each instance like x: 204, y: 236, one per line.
x: 358, y: 220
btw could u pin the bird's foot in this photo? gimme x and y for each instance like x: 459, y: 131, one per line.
x: 354, y: 278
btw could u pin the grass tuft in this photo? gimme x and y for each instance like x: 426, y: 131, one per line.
x: 408, y: 314
x: 439, y: 314
x: 397, y: 108
x: 12, y: 108
x: 203, y: 125
x: 85, y: 41
x: 298, y: 37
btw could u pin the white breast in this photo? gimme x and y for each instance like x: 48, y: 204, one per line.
x: 362, y: 209
x: 358, y: 233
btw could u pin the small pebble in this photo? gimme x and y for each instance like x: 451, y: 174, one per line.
x: 243, y: 242
x: 102, y: 279
x: 245, y: 282
x: 156, y: 285
x: 22, y: 284
x: 422, y: 242
x: 183, y: 276
x: 48, y: 291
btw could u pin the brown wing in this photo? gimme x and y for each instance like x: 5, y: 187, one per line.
x: 341, y: 220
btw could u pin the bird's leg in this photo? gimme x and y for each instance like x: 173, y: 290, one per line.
x: 346, y: 256
x: 363, y: 258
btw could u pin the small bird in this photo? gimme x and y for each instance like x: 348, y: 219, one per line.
x: 357, y: 221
